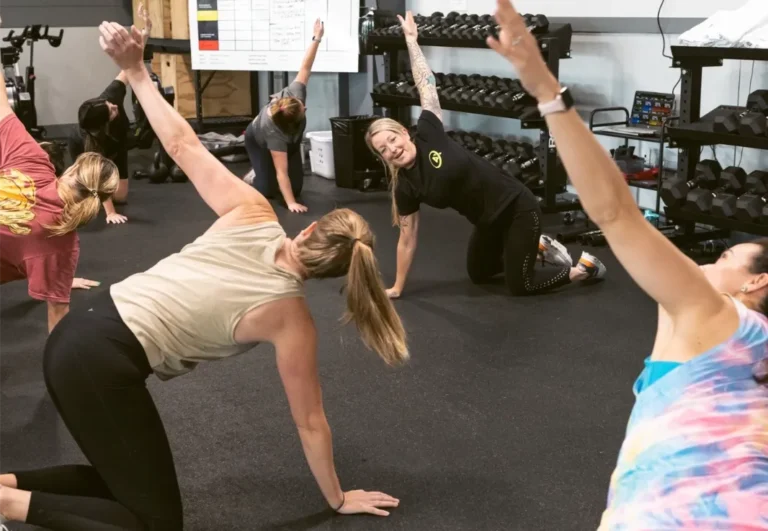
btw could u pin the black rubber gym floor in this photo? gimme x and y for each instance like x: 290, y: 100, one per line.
x: 509, y: 416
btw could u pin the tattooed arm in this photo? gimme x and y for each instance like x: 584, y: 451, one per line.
x: 422, y: 75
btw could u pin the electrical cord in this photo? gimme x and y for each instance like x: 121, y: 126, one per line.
x: 661, y: 31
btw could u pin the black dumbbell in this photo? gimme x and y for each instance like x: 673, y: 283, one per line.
x: 514, y: 101
x: 726, y: 205
x: 675, y: 191
x: 537, y: 24
x: 381, y: 88
x: 478, y: 98
x: 407, y: 89
x: 749, y: 206
x: 490, y: 98
x: 701, y: 201
x: 745, y: 123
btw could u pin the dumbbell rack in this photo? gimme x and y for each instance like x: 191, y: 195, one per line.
x: 694, y: 131
x: 555, y: 45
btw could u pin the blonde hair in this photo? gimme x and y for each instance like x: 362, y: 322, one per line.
x: 342, y: 244
x: 92, y: 179
x: 390, y: 126
x: 287, y: 114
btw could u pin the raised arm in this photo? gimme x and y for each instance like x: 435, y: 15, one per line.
x: 218, y: 187
x: 659, y: 268
x: 309, y: 58
x: 422, y: 75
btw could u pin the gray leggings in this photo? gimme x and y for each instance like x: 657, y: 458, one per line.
x: 265, y: 179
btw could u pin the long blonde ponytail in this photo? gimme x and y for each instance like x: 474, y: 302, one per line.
x: 342, y: 244
x: 92, y: 179
x: 371, y: 309
x: 391, y: 126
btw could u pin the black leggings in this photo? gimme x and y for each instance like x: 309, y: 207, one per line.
x: 510, y: 244
x: 265, y: 175
x: 95, y: 371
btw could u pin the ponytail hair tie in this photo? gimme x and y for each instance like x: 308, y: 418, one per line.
x: 94, y: 193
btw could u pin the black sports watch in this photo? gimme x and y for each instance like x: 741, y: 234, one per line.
x: 561, y: 103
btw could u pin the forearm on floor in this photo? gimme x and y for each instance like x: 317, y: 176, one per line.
x: 405, y: 252
x: 318, y: 450
x: 284, y: 182
x: 109, y: 207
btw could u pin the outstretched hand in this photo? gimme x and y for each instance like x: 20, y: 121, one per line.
x: 520, y: 47
x: 144, y: 16
x: 319, y: 29
x: 126, y: 48
x: 84, y: 283
x: 410, y: 30
x: 361, y: 501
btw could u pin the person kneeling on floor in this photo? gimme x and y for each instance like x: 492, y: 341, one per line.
x: 433, y: 169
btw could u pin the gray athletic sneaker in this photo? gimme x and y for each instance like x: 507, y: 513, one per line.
x: 592, y: 266
x: 554, y: 252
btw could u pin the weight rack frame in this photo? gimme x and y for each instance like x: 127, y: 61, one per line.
x: 691, y: 132
x: 555, y: 45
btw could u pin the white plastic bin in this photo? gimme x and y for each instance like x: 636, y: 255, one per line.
x: 321, y: 154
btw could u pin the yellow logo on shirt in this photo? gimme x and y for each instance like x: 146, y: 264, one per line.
x: 17, y: 197
x: 436, y: 159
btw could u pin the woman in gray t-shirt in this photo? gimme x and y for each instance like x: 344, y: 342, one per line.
x: 273, y: 139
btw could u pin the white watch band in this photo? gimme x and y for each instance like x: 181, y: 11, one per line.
x: 551, y: 107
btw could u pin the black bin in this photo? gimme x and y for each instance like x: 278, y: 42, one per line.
x: 350, y: 154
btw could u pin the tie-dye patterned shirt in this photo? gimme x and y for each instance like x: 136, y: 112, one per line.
x: 695, y: 455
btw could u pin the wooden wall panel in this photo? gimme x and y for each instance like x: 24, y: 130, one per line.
x: 228, y: 93
x: 179, y: 19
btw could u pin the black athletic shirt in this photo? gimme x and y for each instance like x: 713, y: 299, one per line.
x: 447, y: 175
x: 115, y: 146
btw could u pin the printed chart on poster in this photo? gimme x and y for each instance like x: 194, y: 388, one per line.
x: 273, y: 34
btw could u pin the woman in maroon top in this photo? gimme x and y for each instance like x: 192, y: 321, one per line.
x: 40, y: 213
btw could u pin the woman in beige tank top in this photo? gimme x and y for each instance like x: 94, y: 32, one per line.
x: 247, y: 277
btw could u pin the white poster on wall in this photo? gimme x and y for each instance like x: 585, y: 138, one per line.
x: 273, y: 34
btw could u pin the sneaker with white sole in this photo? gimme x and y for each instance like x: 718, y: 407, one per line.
x: 591, y: 266
x: 554, y: 252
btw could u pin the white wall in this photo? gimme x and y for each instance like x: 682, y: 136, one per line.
x: 68, y: 75
x: 605, y: 70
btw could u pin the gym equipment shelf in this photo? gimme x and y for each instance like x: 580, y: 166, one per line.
x: 706, y: 54
x: 384, y: 43
x: 700, y: 133
x: 556, y: 45
x: 661, y: 140
x: 692, y: 131
x: 723, y: 223
x: 530, y: 120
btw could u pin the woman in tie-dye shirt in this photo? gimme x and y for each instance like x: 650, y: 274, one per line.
x: 695, y: 454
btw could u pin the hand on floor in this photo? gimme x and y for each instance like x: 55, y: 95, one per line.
x: 393, y: 293
x: 116, y: 218
x: 360, y: 501
x: 84, y: 283
x: 297, y: 207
